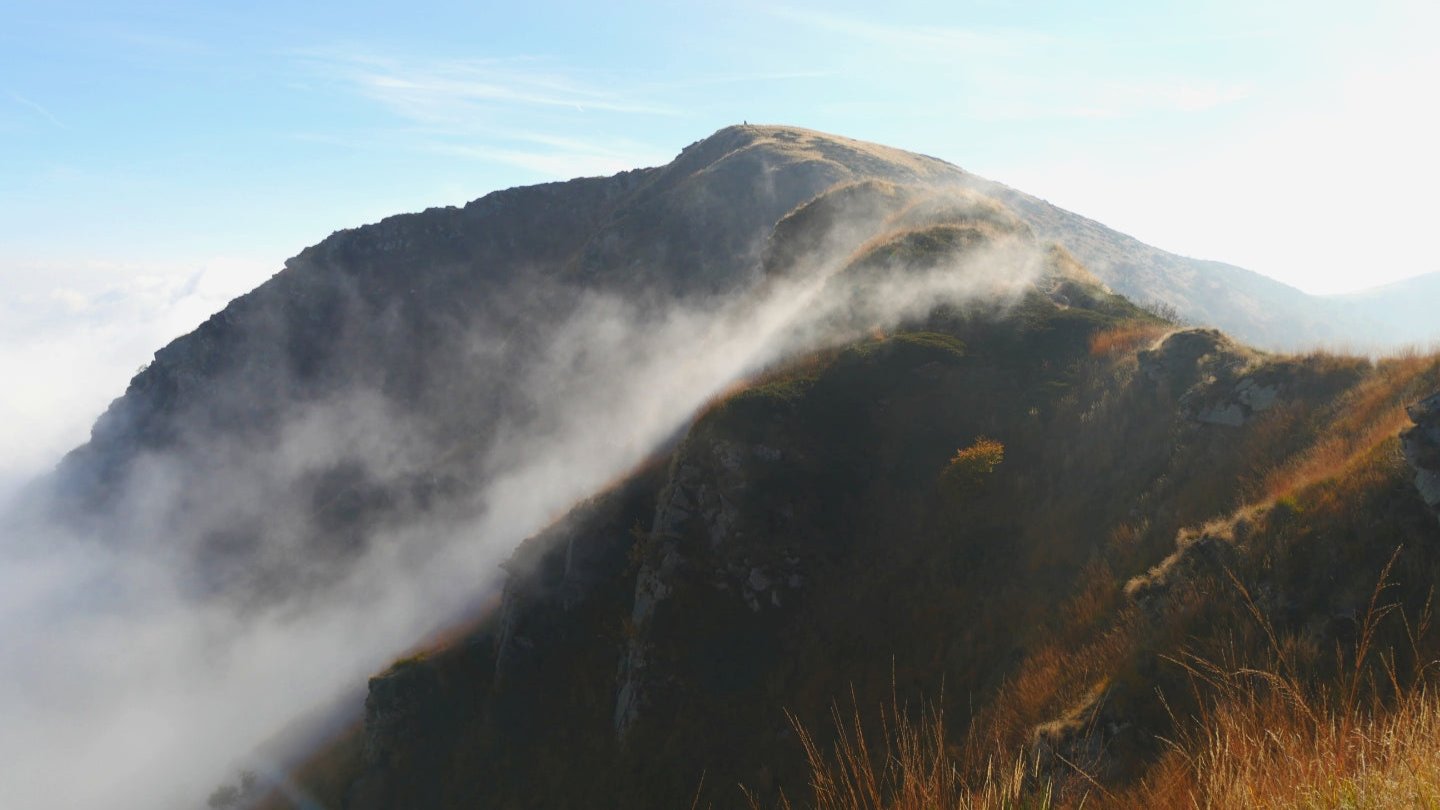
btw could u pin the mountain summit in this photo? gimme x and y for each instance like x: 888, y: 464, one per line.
x: 364, y: 301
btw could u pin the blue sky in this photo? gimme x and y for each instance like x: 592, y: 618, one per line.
x: 158, y: 158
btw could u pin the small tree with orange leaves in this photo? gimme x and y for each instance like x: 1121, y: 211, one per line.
x: 971, y: 467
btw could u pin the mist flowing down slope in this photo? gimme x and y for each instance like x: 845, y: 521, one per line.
x: 334, y: 466
x: 336, y: 463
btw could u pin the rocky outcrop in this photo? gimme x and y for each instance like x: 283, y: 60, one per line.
x: 542, y: 658
x: 395, y: 708
x: 560, y: 570
x: 1199, y: 553
x: 1239, y: 401
x: 1421, y: 446
x: 698, y: 531
x: 1085, y: 738
x: 1215, y: 381
x: 401, y: 710
x: 1176, y: 362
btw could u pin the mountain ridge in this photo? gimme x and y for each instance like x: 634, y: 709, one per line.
x: 824, y: 389
x: 1271, y: 313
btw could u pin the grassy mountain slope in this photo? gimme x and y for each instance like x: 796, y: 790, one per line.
x: 1162, y: 504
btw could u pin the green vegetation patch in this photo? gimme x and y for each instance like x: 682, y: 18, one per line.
x: 907, y: 348
x: 924, y: 248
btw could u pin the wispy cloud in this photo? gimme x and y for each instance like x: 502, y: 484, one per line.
x: 546, y: 155
x: 452, y: 91
x: 921, y: 41
x: 519, y: 111
x: 502, y: 110
x: 37, y: 108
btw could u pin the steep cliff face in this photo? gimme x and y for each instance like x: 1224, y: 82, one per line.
x: 525, y: 690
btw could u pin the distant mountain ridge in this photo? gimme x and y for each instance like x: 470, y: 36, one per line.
x: 1395, y: 314
x: 1257, y: 309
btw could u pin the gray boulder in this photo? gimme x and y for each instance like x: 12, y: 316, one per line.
x: 1421, y: 446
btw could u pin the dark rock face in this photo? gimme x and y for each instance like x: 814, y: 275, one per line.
x: 532, y: 682
x: 397, y: 711
x: 1215, y: 381
x: 1421, y: 445
x: 698, y: 508
x: 1176, y: 362
x: 405, y: 713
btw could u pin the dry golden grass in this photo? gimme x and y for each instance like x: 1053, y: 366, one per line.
x: 1371, y: 413
x: 912, y: 769
x: 1267, y: 748
x: 1265, y: 743
x: 794, y: 144
x: 1270, y: 740
x: 1054, y: 680
x: 1126, y: 338
x: 1257, y: 736
x: 1096, y: 596
x: 1262, y: 746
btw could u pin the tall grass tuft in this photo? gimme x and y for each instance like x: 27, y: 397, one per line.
x: 908, y: 768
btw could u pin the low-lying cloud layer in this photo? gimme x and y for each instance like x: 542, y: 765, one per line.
x: 69, y: 344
